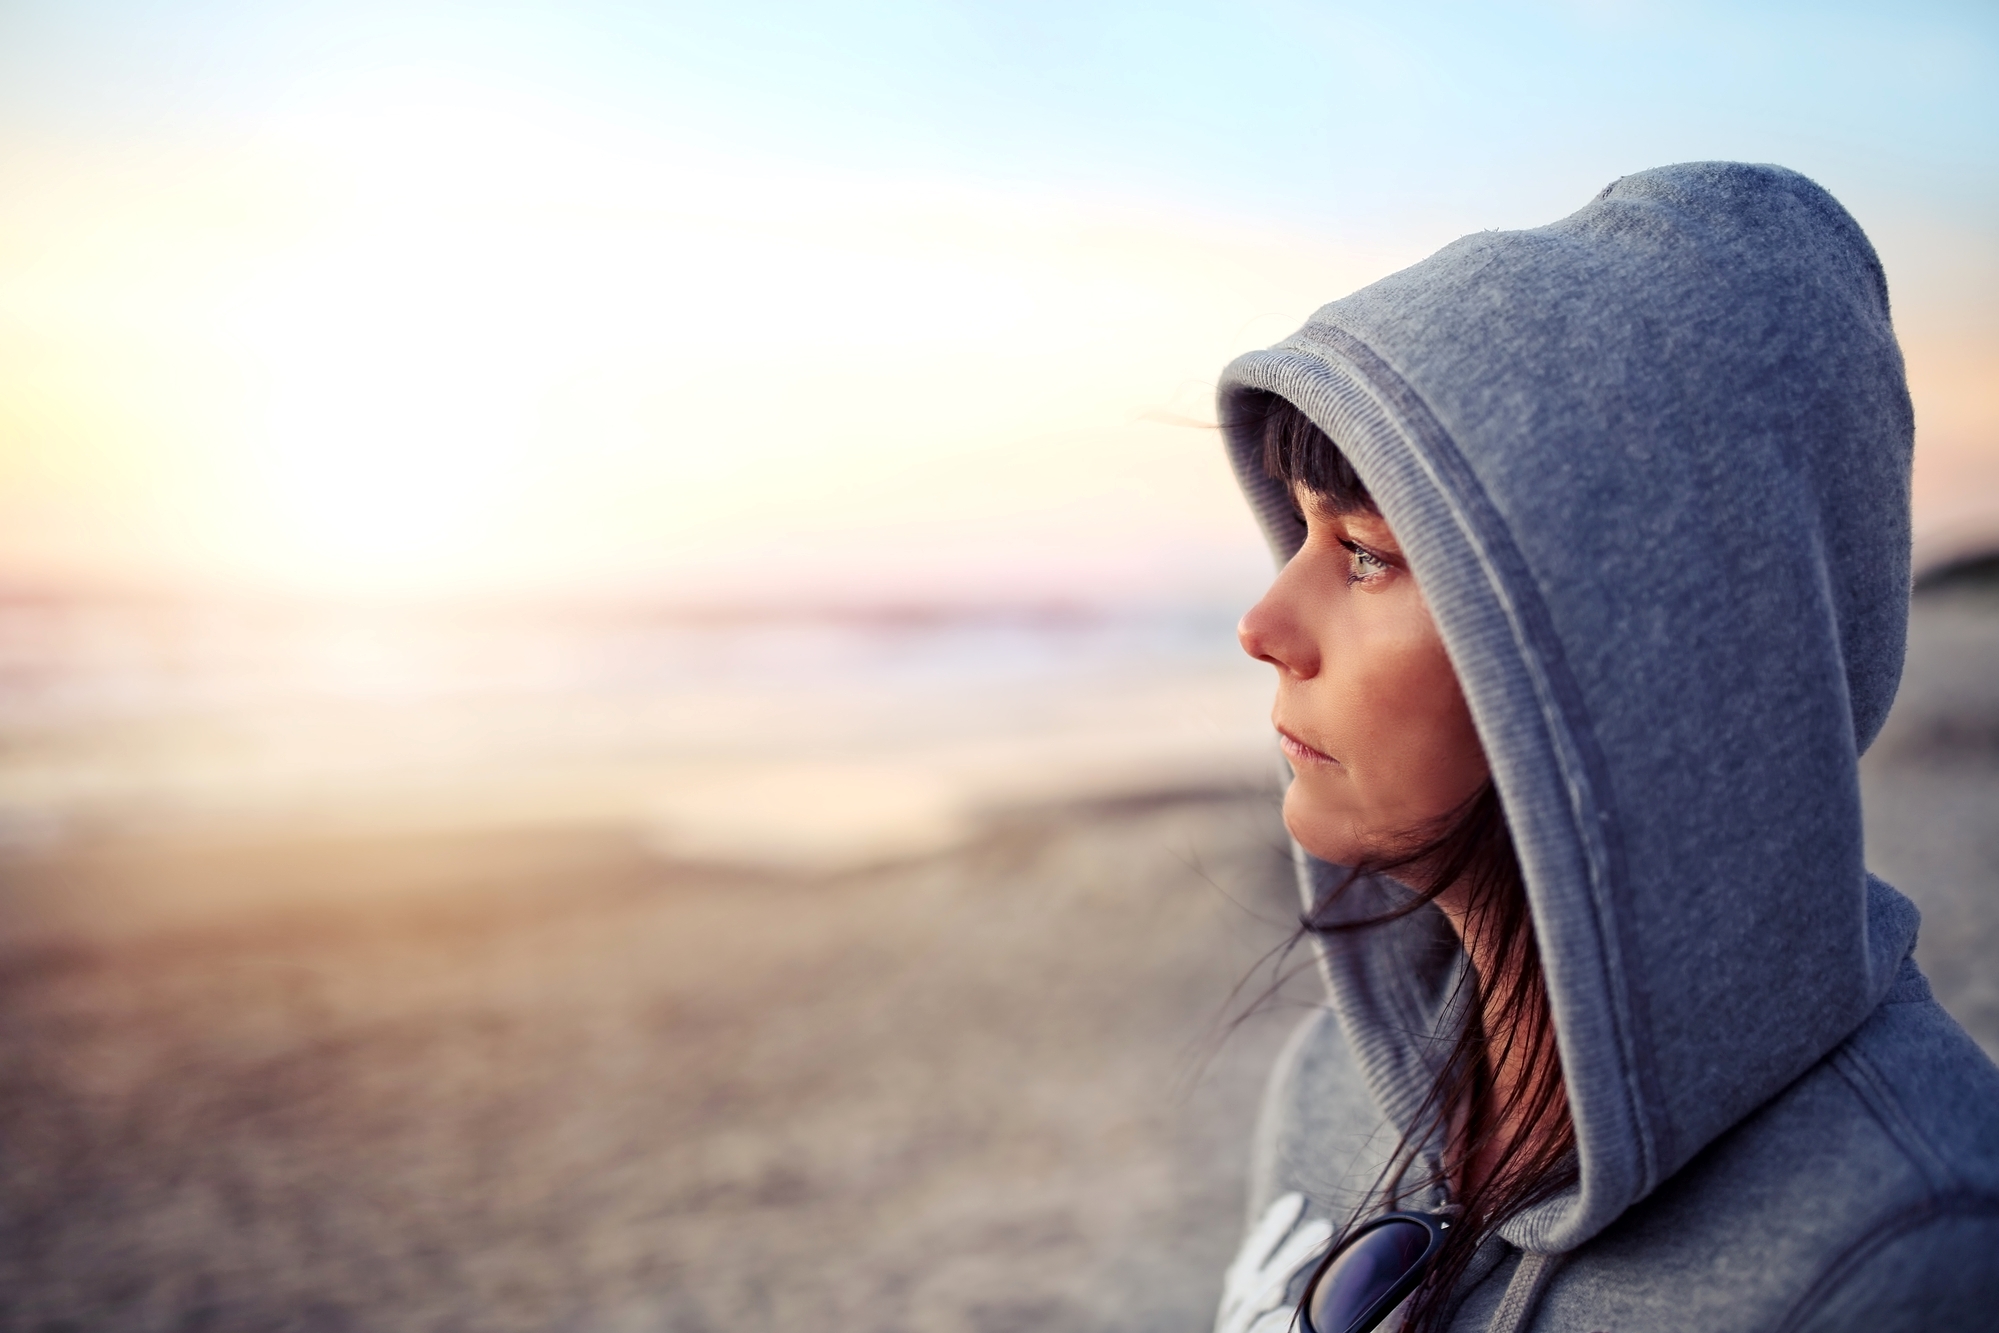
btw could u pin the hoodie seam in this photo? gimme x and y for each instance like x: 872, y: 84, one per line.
x: 1874, y: 1093
x: 1889, y: 1228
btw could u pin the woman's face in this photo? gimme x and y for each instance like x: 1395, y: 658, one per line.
x: 1368, y: 708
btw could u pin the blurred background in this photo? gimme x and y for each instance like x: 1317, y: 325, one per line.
x: 618, y: 706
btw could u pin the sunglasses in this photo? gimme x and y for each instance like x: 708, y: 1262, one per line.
x: 1358, y: 1284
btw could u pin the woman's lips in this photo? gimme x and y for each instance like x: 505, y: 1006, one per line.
x: 1300, y: 753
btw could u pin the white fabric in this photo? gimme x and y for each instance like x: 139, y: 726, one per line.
x: 1278, y: 1247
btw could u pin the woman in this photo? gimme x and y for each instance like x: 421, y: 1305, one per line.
x: 1595, y: 569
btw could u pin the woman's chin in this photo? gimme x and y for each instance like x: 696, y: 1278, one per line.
x: 1326, y: 836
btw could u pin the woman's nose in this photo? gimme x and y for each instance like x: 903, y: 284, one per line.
x: 1270, y: 632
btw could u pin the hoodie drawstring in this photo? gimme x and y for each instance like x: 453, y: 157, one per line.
x: 1523, y: 1292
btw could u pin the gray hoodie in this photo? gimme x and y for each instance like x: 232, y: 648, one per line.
x: 1649, y: 465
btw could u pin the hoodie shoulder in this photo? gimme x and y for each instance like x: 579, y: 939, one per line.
x: 1319, y: 1133
x: 1933, y: 1090
x: 1934, y: 1270
x: 1864, y: 1196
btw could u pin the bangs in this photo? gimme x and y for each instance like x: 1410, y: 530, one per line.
x: 1298, y: 453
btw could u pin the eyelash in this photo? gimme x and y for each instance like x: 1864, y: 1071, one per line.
x: 1361, y: 553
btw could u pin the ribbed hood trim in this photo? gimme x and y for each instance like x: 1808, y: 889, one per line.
x: 1523, y: 702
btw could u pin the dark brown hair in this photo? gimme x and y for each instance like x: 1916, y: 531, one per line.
x: 1526, y: 1128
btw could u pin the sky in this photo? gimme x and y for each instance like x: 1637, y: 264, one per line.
x: 856, y: 302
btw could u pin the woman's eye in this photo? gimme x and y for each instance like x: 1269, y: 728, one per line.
x: 1364, y: 564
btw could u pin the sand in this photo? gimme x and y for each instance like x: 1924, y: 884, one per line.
x: 579, y: 1090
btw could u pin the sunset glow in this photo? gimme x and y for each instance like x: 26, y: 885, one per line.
x: 421, y: 325
x: 440, y: 338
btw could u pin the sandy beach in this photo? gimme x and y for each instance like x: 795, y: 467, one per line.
x: 572, y: 1089
x: 549, y: 1076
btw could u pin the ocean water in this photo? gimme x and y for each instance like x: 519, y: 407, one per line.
x: 805, y: 740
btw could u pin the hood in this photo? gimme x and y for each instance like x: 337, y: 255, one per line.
x: 1649, y: 465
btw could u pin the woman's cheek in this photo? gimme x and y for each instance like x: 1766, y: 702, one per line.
x: 1409, y: 753
x: 1444, y: 756
x: 1428, y: 755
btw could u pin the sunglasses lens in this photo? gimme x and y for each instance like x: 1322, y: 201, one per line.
x: 1363, y: 1273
